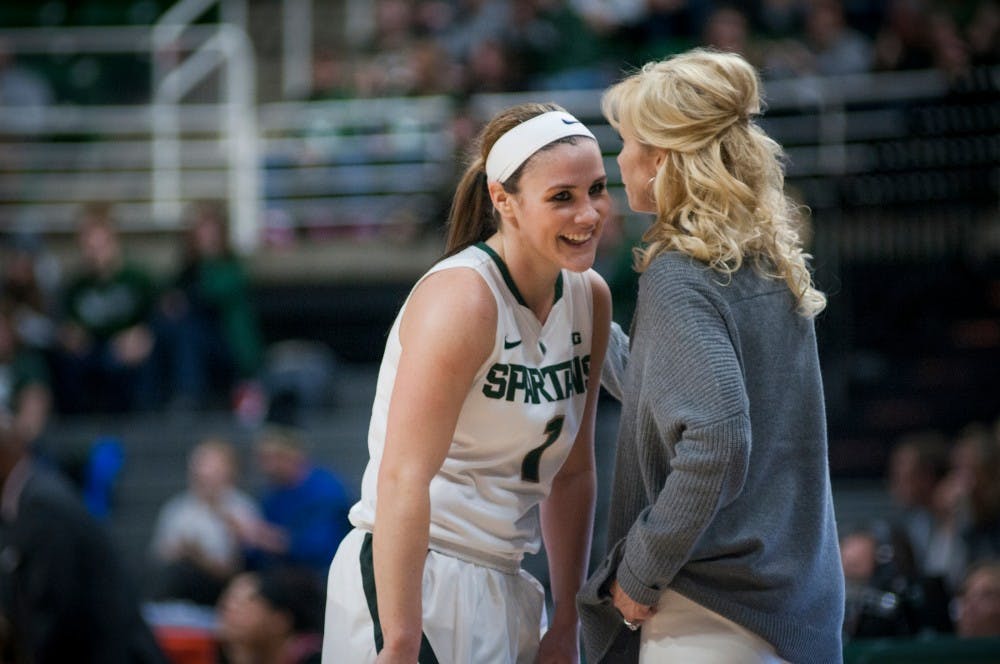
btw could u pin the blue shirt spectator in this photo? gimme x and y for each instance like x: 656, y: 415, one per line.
x: 304, y: 506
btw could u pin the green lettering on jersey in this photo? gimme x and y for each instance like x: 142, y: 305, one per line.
x: 555, y: 382
x: 551, y: 373
x: 578, y: 382
x: 538, y: 386
x: 518, y: 381
x: 496, y: 381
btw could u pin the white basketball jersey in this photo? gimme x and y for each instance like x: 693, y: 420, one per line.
x: 517, y: 424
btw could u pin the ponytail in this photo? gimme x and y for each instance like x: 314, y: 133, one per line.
x: 471, y: 218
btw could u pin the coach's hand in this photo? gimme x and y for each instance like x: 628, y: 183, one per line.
x: 631, y: 611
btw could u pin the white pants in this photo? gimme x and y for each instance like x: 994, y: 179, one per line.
x: 684, y: 631
x: 471, y: 614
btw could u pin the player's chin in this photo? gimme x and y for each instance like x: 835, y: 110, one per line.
x: 578, y: 255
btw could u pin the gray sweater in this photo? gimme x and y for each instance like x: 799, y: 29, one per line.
x: 721, y: 488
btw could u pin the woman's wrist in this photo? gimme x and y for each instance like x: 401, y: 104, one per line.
x: 403, y: 645
x: 566, y: 617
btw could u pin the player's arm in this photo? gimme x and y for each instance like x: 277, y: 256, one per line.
x: 447, y: 332
x: 568, y: 512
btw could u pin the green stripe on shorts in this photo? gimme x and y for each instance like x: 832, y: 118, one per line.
x: 426, y: 655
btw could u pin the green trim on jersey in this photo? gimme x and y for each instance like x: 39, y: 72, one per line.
x: 509, y: 280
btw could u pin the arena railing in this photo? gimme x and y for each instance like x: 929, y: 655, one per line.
x: 896, y: 145
x: 147, y: 158
x: 890, y: 163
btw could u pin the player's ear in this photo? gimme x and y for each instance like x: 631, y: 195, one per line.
x: 501, y: 199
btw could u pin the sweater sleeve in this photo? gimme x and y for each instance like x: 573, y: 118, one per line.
x: 615, y: 361
x: 693, y: 394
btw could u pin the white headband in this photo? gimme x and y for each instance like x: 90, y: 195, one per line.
x: 513, y: 148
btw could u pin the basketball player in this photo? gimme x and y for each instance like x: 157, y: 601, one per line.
x: 481, y: 436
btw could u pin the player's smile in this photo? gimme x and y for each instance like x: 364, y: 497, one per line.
x: 577, y: 239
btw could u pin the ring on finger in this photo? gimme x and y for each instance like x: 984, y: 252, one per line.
x: 631, y: 625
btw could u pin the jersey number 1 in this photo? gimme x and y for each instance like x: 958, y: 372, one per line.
x: 529, y: 467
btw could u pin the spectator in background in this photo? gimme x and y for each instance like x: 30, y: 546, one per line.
x: 573, y: 54
x: 490, y: 67
x: 979, y: 602
x: 29, y: 278
x: 949, y: 50
x: 834, y: 46
x: 827, y: 47
x: 982, y: 509
x: 25, y: 389
x: 195, y: 546
x: 271, y: 617
x: 727, y: 29
x: 432, y: 71
x: 304, y: 506
x: 871, y: 609
x: 885, y: 592
x: 902, y: 41
x: 64, y: 594
x: 669, y: 26
x: 967, y: 504
x: 781, y: 19
x: 917, y: 463
x: 106, y: 341
x: 211, y: 340
x: 474, y: 21
x: 330, y: 75
x: 983, y: 33
x: 23, y: 91
x: 529, y: 37
x: 384, y: 67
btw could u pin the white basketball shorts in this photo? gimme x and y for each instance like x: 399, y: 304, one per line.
x: 471, y: 613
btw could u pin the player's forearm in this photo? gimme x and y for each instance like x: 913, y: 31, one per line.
x: 400, y: 540
x: 567, y: 527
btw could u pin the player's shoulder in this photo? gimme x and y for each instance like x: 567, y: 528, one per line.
x: 593, y: 285
x: 598, y: 285
x: 456, y: 297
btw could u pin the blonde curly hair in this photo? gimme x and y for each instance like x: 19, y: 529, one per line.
x: 720, y: 190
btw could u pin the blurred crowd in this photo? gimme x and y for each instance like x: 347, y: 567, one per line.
x: 232, y: 578
x: 932, y: 564
x: 472, y: 46
x: 461, y: 47
x: 106, y: 333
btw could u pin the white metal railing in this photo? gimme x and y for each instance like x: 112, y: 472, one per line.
x: 227, y: 49
x: 819, y: 99
x: 362, y: 161
x: 159, y: 126
x: 357, y: 164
